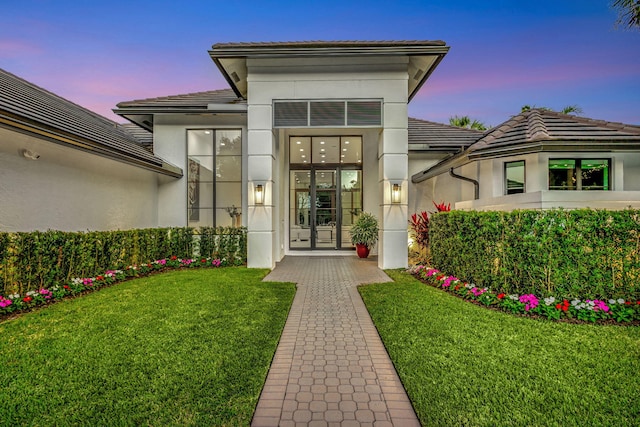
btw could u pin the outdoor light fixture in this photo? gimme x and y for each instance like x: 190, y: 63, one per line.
x: 259, y: 196
x: 396, y: 193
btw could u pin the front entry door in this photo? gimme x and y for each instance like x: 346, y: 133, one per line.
x: 323, y: 204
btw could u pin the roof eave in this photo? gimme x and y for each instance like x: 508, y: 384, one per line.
x: 443, y: 166
x: 57, y: 137
x: 437, y: 49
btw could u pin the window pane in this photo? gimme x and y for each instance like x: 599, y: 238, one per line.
x: 200, y: 142
x: 325, y: 149
x: 200, y: 217
x: 562, y: 174
x: 514, y: 176
x: 228, y: 142
x: 228, y: 168
x: 299, y: 149
x: 351, y: 149
x: 595, y: 174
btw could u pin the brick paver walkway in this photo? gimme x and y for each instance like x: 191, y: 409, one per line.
x: 330, y: 368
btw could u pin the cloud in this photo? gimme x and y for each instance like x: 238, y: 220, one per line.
x: 13, y: 48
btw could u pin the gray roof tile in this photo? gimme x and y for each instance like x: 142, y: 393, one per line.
x: 431, y: 136
x: 197, y: 100
x: 541, y: 125
x: 37, y: 108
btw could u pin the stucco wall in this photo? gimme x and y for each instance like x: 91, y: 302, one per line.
x: 67, y: 189
x: 385, y: 151
x: 625, y: 185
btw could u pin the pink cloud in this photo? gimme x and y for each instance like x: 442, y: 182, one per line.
x: 12, y: 48
x: 466, y: 79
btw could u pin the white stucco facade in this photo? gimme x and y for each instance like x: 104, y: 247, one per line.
x: 384, y: 147
x: 70, y: 190
x: 624, y: 189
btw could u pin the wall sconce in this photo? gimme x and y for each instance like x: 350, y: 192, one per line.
x: 259, y: 194
x: 396, y: 193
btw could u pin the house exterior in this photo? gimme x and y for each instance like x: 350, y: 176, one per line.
x: 541, y: 159
x: 319, y: 133
x: 308, y: 136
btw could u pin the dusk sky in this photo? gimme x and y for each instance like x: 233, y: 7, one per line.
x: 504, y: 54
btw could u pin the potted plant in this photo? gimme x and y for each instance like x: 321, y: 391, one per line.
x: 364, y: 233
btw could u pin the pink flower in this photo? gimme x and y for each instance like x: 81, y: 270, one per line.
x: 530, y: 301
x: 448, y: 280
x: 477, y: 291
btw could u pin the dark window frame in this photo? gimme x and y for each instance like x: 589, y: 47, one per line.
x: 506, y: 181
x: 578, y: 169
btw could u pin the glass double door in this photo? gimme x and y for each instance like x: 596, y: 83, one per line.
x: 324, y: 202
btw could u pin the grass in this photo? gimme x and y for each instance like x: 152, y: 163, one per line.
x: 465, y: 365
x: 188, y: 347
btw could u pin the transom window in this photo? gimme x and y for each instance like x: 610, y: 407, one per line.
x: 325, y: 150
x: 579, y: 174
x: 514, y: 177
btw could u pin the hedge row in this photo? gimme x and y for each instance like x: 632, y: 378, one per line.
x: 34, y: 260
x: 570, y: 254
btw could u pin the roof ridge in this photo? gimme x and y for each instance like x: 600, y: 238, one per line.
x: 475, y: 131
x: 595, y: 122
x: 536, y: 128
x: 159, y: 98
x: 496, y: 132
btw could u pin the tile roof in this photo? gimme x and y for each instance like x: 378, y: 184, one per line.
x: 431, y: 136
x: 27, y: 107
x: 142, y: 136
x: 542, y: 130
x: 197, y: 100
x: 538, y: 126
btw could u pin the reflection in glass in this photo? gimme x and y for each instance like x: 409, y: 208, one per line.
x: 514, y: 177
x: 214, y: 177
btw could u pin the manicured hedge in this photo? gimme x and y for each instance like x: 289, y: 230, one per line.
x: 35, y: 260
x: 571, y: 254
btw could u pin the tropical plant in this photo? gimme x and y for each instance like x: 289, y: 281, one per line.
x: 569, y: 109
x: 628, y: 12
x: 364, y: 230
x: 467, y: 123
x: 420, y: 224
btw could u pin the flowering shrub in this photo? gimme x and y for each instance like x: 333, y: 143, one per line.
x: 16, y: 302
x: 590, y: 310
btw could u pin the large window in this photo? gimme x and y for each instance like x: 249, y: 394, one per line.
x: 579, y: 174
x: 514, y: 177
x: 214, y: 177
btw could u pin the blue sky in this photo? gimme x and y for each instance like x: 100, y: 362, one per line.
x: 504, y: 54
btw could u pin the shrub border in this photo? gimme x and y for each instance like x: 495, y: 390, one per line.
x: 552, y: 308
x: 15, y: 304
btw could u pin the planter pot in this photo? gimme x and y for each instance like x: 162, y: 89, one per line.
x: 362, y: 250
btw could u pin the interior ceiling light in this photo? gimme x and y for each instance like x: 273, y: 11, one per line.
x: 302, y: 149
x: 207, y: 132
x: 344, y: 149
x: 298, y: 142
x: 346, y: 142
x: 321, y: 142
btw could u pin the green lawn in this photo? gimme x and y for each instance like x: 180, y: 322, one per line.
x: 187, y: 347
x: 464, y: 365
